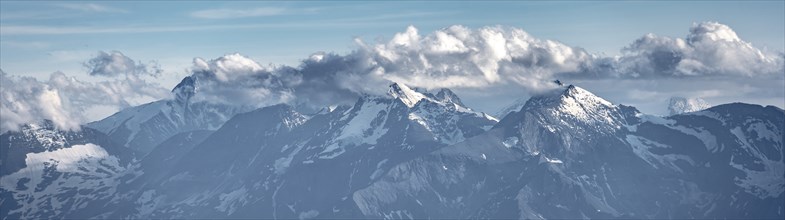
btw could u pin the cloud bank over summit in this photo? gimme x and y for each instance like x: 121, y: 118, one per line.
x: 237, y: 80
x: 456, y: 57
x: 461, y: 57
x: 490, y: 56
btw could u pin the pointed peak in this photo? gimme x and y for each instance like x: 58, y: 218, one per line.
x: 567, y: 90
x: 185, y: 89
x: 188, y: 81
x: 399, y: 88
x: 408, y: 96
x: 565, y: 95
x: 582, y: 94
x: 411, y: 96
x: 573, y: 105
x: 447, y: 96
x: 571, y: 89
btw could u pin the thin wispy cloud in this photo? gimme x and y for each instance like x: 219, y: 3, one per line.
x: 55, y: 30
x: 25, y: 44
x: 226, y: 13
x: 59, y: 30
x: 92, y: 7
x: 393, y: 17
x: 33, y: 15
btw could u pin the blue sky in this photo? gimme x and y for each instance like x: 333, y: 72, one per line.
x: 41, y: 37
x: 38, y: 38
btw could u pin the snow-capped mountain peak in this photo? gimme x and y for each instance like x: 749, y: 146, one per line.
x: 679, y: 105
x: 584, y: 97
x: 441, y: 115
x: 411, y: 96
x: 407, y: 95
x: 446, y: 95
x: 574, y: 107
x: 582, y: 103
x: 570, y: 99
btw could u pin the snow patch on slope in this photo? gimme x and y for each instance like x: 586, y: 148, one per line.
x: 232, y: 200
x: 708, y: 140
x: 641, y: 147
x: 71, y: 159
x: 510, y: 142
x: 764, y: 131
x: 761, y: 183
x: 356, y: 129
x: 360, y: 129
x: 50, y: 175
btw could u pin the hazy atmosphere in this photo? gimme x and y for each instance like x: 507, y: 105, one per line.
x: 392, y: 109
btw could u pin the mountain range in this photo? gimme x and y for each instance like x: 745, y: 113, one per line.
x: 411, y: 153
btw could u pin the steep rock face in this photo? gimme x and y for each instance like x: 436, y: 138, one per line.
x: 50, y: 173
x: 143, y: 127
x: 571, y: 154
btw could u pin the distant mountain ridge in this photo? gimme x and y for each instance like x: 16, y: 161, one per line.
x: 412, y: 153
x: 680, y: 105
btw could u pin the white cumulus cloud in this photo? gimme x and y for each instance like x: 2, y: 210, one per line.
x: 237, y: 80
x: 710, y: 49
x: 486, y: 58
x: 115, y: 63
x: 461, y: 57
x: 25, y: 100
x: 67, y: 101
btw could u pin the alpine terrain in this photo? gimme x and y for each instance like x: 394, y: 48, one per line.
x: 410, y: 153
